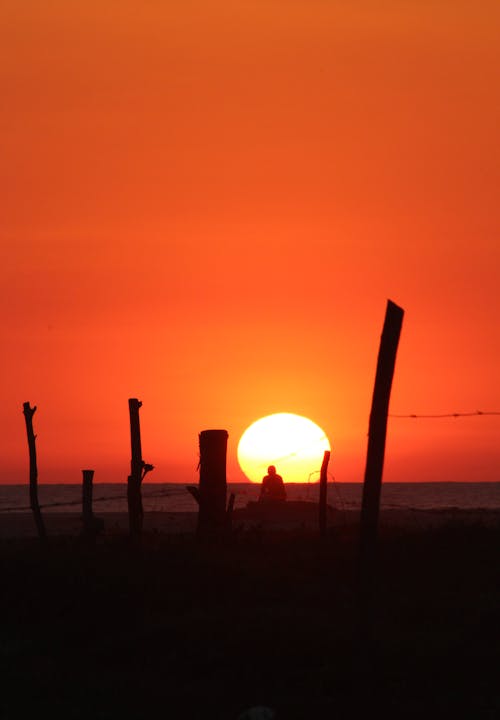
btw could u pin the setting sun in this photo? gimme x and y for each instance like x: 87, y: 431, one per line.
x: 294, y: 444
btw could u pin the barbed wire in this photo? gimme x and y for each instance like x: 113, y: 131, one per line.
x: 475, y: 413
x: 72, y: 503
x: 172, y: 493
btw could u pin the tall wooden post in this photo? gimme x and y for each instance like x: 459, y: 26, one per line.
x: 377, y: 436
x: 138, y: 469
x: 87, y: 514
x: 212, y: 518
x: 35, y: 505
x: 323, y: 486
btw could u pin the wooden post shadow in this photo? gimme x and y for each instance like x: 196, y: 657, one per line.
x: 138, y: 470
x: 212, y: 490
x: 323, y: 487
x: 35, y: 505
x: 376, y: 440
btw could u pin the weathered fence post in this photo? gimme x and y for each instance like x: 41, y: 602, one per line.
x: 376, y: 439
x: 87, y: 514
x: 212, y: 518
x: 323, y: 486
x: 138, y: 469
x: 35, y: 505
x: 92, y: 525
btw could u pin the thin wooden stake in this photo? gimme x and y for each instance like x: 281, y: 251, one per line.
x: 35, y: 505
x: 323, y: 486
x: 87, y: 514
x: 377, y: 436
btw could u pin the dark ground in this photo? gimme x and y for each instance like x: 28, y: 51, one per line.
x: 176, y: 630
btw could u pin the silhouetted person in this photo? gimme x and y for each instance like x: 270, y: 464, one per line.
x: 272, y: 487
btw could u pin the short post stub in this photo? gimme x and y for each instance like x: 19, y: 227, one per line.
x: 87, y: 512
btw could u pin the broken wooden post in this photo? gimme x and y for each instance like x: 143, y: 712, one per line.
x: 323, y: 485
x: 138, y: 469
x: 213, y: 485
x: 377, y: 436
x: 35, y: 505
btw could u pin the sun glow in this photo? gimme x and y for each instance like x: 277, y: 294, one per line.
x: 294, y: 444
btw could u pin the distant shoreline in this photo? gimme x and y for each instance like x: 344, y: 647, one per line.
x: 183, y: 483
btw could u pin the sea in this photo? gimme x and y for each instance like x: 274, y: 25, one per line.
x: 174, y: 497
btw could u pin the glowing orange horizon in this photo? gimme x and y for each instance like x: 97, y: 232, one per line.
x: 292, y: 443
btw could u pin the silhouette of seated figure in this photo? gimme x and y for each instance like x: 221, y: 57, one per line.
x: 272, y: 487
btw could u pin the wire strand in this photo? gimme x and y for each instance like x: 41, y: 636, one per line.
x: 476, y: 413
x: 72, y: 503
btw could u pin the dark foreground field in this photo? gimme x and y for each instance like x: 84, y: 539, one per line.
x: 175, y: 630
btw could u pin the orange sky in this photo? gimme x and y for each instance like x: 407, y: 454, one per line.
x: 206, y: 205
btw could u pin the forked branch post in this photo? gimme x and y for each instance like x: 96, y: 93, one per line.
x: 28, y: 412
x: 138, y: 469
